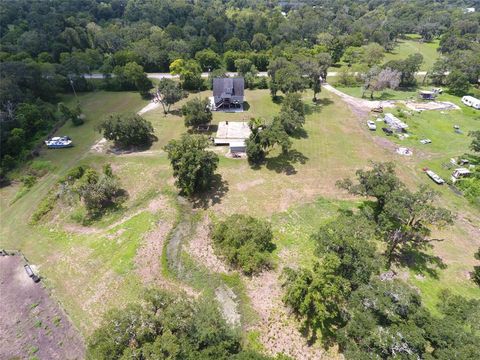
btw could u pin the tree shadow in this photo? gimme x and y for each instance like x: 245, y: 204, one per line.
x: 318, y: 106
x: 283, y: 163
x: 299, y: 133
x: 175, y: 112
x: 206, y: 199
x: 246, y: 106
x: 118, y: 149
x: 421, y: 262
x: 277, y: 99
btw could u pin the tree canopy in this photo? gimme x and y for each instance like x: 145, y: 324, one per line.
x: 245, y: 242
x: 193, y: 165
x: 127, y: 130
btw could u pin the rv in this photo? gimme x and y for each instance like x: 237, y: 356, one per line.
x: 460, y: 173
x: 471, y: 101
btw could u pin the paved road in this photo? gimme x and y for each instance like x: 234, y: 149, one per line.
x: 205, y: 75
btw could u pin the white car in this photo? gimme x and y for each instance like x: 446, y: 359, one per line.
x: 371, y: 125
x: 426, y: 141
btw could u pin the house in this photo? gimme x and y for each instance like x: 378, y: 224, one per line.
x: 232, y: 133
x: 228, y: 94
x: 427, y: 95
x: 394, y: 123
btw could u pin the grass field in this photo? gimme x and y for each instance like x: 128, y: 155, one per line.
x: 91, y: 269
x: 404, y: 48
x: 413, y: 46
x: 384, y: 95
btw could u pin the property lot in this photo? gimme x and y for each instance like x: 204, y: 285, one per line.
x: 32, y: 325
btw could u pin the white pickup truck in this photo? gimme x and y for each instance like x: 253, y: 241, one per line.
x: 371, y: 125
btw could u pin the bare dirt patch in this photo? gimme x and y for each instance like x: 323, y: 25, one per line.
x: 228, y: 304
x: 99, y: 146
x: 148, y: 258
x: 278, y: 330
x: 200, y: 247
x: 32, y: 323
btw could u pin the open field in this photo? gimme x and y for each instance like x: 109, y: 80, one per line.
x: 414, y: 45
x: 93, y: 268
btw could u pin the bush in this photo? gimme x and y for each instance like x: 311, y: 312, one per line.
x: 99, y: 191
x: 46, y: 205
x: 127, y: 130
x: 245, y: 242
x: 28, y: 181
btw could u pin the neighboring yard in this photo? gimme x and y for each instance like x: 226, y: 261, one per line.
x: 412, y: 46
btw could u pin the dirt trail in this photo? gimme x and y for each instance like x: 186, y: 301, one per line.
x: 362, y: 104
x: 365, y: 105
x: 186, y: 231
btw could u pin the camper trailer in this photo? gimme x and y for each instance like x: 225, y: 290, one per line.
x: 471, y: 101
x: 460, y: 173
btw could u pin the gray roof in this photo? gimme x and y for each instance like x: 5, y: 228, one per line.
x: 227, y: 87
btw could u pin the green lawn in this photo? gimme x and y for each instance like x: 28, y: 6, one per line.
x: 412, y: 46
x: 406, y: 47
x: 91, y: 271
x: 388, y: 94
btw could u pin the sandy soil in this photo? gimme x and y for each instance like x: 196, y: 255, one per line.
x: 32, y: 323
x: 278, y: 330
x: 151, y: 106
x: 200, y: 247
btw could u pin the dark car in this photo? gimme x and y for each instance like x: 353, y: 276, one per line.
x: 387, y: 131
x: 31, y: 274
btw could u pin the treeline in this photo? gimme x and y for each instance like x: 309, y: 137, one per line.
x: 46, y: 47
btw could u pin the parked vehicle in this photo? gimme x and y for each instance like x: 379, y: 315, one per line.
x: 31, y: 274
x: 426, y: 141
x: 387, y: 131
x: 471, y: 101
x: 59, y: 142
x: 371, y: 125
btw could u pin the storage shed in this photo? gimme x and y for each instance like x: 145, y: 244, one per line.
x: 232, y: 132
x: 238, y: 147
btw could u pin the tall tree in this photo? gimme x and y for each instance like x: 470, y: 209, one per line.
x: 168, y: 93
x: 406, y: 219
x: 193, y: 165
x: 197, y: 112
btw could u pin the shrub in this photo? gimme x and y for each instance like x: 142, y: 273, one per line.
x: 99, y: 191
x: 245, y: 242
x: 44, y: 207
x: 28, y: 181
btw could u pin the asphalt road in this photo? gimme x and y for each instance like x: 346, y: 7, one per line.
x: 205, y: 74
